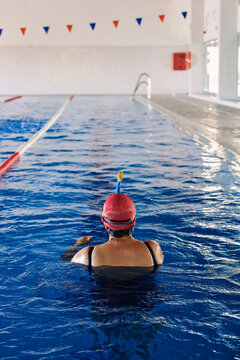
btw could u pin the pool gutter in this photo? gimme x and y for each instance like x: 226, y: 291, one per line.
x: 200, y: 131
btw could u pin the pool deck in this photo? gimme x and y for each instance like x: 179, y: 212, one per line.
x: 219, y: 123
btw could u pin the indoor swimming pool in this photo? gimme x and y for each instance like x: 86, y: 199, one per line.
x: 187, y: 195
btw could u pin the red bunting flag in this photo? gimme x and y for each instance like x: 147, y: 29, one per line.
x: 161, y: 17
x: 115, y: 23
x: 23, y: 30
x: 69, y: 27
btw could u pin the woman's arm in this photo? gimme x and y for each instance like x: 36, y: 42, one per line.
x: 72, y: 250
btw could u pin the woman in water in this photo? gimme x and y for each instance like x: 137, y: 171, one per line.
x: 121, y: 249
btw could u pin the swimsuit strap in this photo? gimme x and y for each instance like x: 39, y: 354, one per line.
x: 90, y: 257
x: 153, y: 256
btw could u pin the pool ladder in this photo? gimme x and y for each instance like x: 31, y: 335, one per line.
x: 140, y: 82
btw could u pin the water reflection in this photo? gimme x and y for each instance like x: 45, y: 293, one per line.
x: 122, y: 311
x: 122, y: 316
x: 131, y: 288
x: 97, y: 181
x: 212, y: 157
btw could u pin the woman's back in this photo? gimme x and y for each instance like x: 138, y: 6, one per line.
x: 124, y: 251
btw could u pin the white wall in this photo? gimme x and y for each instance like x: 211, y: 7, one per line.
x: 211, y: 20
x: 196, y: 47
x: 104, y: 61
x: 228, y: 42
x: 238, y: 20
x: 88, y: 70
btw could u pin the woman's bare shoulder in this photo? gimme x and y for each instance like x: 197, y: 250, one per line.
x: 81, y: 257
x: 156, y: 250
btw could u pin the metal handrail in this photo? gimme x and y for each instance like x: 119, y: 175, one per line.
x: 146, y: 82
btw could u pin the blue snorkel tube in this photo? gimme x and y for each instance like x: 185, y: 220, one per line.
x: 120, y: 176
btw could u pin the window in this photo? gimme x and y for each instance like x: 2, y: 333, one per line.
x: 211, y: 56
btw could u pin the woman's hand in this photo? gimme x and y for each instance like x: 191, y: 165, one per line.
x: 80, y: 241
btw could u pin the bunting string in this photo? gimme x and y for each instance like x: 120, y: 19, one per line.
x: 92, y: 25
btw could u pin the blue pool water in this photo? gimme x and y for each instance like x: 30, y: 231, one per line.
x: 186, y: 193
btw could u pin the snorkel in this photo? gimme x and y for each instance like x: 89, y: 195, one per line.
x: 120, y: 176
x: 118, y: 210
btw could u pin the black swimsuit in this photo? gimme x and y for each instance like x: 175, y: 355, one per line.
x: 155, y: 264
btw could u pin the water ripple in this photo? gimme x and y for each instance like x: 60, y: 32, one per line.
x: 187, y: 199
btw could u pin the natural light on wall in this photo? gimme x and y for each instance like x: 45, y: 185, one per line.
x: 211, y: 67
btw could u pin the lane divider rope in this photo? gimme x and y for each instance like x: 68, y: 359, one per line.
x: 11, y: 99
x: 21, y: 150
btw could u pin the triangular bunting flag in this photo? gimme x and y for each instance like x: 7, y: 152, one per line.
x: 92, y: 25
x: 1, y: 31
x: 184, y: 14
x: 115, y: 23
x: 161, y: 17
x: 46, y: 28
x: 139, y: 20
x: 69, y: 27
x: 23, y: 30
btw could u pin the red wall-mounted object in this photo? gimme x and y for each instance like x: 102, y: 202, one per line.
x: 181, y: 61
x: 188, y: 60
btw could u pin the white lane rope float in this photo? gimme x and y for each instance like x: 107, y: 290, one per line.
x: 21, y: 150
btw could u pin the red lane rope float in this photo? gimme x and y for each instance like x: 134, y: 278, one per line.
x: 9, y: 162
x: 16, y: 156
x: 11, y: 99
